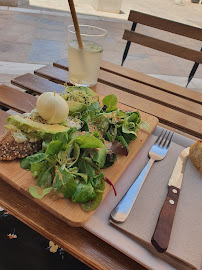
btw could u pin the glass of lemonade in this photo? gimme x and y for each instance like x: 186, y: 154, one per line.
x: 84, y: 64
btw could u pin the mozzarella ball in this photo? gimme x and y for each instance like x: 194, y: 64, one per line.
x: 52, y: 107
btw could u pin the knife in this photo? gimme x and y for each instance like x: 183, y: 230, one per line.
x: 162, y: 232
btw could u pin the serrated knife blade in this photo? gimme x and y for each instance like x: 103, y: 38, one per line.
x: 178, y: 171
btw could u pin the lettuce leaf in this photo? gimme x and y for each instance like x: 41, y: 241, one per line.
x: 65, y: 183
x: 45, y: 178
x: 54, y: 147
x: 99, y: 156
x: 34, y: 192
x: 93, y: 204
x: 84, y: 193
x: 110, y: 101
x: 88, y: 141
x: 26, y: 162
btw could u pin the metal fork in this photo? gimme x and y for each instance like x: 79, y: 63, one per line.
x: 157, y: 152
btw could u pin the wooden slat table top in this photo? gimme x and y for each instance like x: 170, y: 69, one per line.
x: 150, y: 93
x: 167, y: 116
x: 60, y: 75
x: 136, y: 88
x: 37, y: 84
x: 144, y: 79
x: 175, y: 106
x: 15, y: 99
x: 175, y: 111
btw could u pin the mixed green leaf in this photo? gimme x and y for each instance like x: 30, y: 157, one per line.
x: 70, y: 163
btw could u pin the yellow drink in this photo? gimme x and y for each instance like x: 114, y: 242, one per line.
x: 84, y: 64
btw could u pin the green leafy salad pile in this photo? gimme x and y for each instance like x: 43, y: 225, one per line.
x: 69, y: 163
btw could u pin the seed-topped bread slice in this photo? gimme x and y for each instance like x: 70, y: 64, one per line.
x: 10, y: 149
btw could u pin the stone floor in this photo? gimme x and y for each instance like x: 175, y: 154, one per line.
x: 28, y: 40
x: 186, y: 12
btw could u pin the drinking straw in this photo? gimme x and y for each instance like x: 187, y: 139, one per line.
x: 76, y: 24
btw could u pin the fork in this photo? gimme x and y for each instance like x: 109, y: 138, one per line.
x: 157, y: 152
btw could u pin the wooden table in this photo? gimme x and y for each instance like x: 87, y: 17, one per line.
x: 176, y: 107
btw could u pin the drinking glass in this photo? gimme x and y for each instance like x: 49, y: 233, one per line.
x: 84, y: 64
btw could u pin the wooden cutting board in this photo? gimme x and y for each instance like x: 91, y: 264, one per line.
x: 70, y: 212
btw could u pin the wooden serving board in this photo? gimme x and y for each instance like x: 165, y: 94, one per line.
x: 70, y: 212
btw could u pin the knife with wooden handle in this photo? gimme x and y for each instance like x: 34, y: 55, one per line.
x: 162, y: 232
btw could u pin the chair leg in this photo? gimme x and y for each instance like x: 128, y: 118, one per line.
x: 193, y: 71
x: 128, y: 45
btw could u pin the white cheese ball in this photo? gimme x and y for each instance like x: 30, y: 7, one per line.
x: 52, y: 107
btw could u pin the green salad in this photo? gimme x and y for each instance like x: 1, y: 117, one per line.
x: 70, y: 162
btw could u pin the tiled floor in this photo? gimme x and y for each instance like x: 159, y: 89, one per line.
x: 14, y: 51
x: 45, y: 51
x: 42, y: 39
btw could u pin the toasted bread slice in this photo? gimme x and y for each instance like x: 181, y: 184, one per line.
x: 10, y: 149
